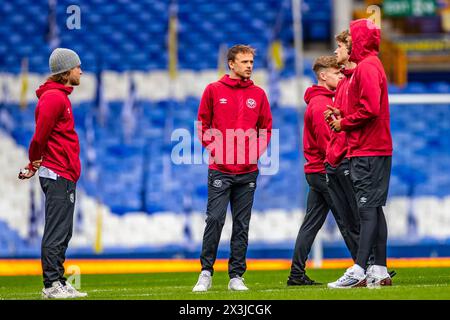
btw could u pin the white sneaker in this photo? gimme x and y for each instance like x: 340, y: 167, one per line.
x: 204, y: 282
x: 56, y: 291
x: 74, y: 292
x: 237, y: 284
x: 350, y: 279
x: 377, y: 277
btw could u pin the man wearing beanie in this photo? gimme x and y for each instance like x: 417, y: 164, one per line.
x: 54, y: 153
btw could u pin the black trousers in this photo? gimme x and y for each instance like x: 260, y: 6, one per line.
x: 238, y: 190
x: 370, y: 176
x: 318, y: 204
x: 340, y: 187
x: 59, y: 209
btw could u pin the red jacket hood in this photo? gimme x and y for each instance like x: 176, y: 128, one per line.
x: 315, y: 91
x: 235, y: 83
x: 51, y: 85
x: 365, y: 39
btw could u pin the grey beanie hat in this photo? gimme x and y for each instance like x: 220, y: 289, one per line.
x: 62, y: 60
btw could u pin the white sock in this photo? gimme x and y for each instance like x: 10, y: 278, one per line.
x: 358, y: 270
x: 206, y: 273
x: 380, y: 270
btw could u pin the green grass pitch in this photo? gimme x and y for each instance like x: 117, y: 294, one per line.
x: 409, y: 283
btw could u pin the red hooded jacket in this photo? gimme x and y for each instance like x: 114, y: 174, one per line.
x: 367, y: 118
x: 337, y: 147
x: 55, y: 139
x: 242, y: 109
x: 316, y: 132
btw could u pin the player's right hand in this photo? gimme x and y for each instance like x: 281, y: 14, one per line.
x: 36, y: 164
x: 327, y: 114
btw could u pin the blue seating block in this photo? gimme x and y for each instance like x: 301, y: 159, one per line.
x: 125, y: 32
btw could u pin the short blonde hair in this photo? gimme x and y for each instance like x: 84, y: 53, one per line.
x: 324, y: 62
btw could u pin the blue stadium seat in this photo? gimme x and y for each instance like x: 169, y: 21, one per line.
x: 415, y: 87
x: 440, y: 87
x: 107, y: 26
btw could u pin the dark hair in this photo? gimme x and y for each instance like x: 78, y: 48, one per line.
x: 239, y: 48
x: 344, y: 37
x: 324, y: 62
x: 62, y: 77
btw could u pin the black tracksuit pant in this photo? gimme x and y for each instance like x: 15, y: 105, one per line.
x: 370, y: 176
x: 59, y: 209
x: 340, y: 187
x: 318, y: 204
x: 238, y: 190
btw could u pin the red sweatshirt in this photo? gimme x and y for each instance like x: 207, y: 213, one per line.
x: 316, y: 132
x: 337, y: 147
x: 55, y: 139
x: 231, y: 104
x: 367, y: 119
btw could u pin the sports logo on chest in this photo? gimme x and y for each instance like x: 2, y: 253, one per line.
x: 251, y: 103
x: 223, y: 101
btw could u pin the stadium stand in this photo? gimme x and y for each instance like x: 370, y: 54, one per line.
x: 146, y: 200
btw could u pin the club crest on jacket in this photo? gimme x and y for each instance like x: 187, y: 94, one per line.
x: 251, y: 103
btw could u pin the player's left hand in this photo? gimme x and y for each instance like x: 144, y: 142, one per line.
x: 26, y: 173
x: 336, y: 125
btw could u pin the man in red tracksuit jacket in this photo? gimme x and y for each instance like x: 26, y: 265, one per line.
x: 235, y: 124
x: 366, y: 123
x: 316, y: 134
x: 54, y: 151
